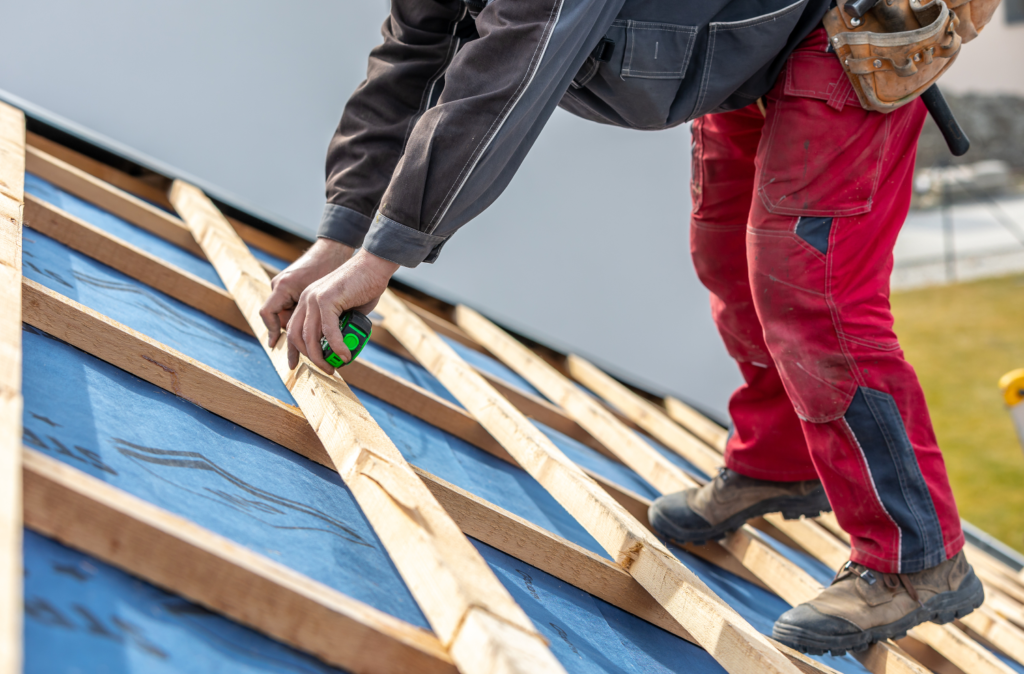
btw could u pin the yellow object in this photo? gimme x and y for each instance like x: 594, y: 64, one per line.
x: 1012, y: 386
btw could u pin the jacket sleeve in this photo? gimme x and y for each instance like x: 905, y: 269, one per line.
x: 499, y: 90
x: 420, y: 39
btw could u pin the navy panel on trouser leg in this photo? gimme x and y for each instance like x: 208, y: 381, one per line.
x: 876, y: 423
x: 815, y: 231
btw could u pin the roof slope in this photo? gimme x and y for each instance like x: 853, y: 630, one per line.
x: 160, y: 439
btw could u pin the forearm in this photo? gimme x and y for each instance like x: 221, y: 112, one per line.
x: 419, y: 41
x: 499, y: 91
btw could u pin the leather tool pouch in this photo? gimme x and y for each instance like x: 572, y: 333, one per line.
x: 897, y: 50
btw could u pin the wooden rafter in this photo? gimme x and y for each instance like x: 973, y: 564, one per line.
x: 472, y: 614
x: 12, y: 183
x: 695, y: 422
x: 132, y: 261
x: 719, y: 629
x: 265, y: 415
x: 710, y: 433
x: 948, y: 640
x: 218, y: 303
x: 254, y: 410
x: 86, y: 513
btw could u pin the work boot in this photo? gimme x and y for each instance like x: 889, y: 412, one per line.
x: 724, y: 504
x: 862, y: 606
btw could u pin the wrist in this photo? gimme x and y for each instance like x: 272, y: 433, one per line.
x: 333, y: 248
x: 377, y: 265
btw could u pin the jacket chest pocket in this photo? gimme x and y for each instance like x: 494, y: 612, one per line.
x: 642, y: 77
x: 657, y: 51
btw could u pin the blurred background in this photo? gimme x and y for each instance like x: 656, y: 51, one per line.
x: 242, y: 97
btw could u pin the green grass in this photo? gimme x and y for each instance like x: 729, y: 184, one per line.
x: 961, y: 339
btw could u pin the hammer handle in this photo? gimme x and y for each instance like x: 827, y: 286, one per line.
x: 955, y: 137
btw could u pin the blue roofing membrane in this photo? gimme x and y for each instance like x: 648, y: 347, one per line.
x: 162, y: 448
x: 180, y: 457
x: 149, y: 311
x: 110, y: 622
x: 150, y: 243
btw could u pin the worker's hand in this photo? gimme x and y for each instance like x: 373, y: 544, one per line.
x: 322, y: 258
x: 358, y: 284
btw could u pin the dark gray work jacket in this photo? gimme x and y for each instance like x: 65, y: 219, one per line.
x: 459, y: 90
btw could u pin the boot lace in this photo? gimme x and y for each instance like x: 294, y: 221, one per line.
x: 891, y: 581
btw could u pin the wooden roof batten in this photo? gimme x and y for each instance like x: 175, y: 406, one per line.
x: 406, y: 396
x: 461, y: 504
x: 665, y: 476
x: 254, y: 410
x: 472, y: 614
x: 948, y: 640
x: 12, y: 191
x: 263, y: 414
x: 84, y: 512
x: 717, y: 627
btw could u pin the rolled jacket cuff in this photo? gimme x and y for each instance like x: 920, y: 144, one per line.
x: 343, y: 225
x: 400, y: 244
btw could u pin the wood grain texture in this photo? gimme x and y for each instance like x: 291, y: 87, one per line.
x: 12, y: 190
x: 132, y: 261
x: 443, y: 327
x: 994, y: 572
x: 284, y: 424
x: 468, y: 608
x: 698, y: 424
x: 266, y: 242
x: 719, y: 629
x: 550, y: 553
x: 1005, y: 607
x: 85, y: 513
x: 265, y: 415
x: 645, y: 414
x: 826, y: 541
x: 961, y: 650
x: 112, y: 199
x: 779, y: 574
x: 1003, y: 634
x: 531, y: 405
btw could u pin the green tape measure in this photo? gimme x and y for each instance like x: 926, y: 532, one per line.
x: 355, y: 330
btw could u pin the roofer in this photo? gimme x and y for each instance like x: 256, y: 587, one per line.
x: 801, y: 181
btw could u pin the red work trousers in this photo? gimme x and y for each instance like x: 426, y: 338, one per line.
x: 795, y: 215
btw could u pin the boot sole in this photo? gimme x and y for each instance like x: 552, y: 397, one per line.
x: 940, y: 609
x: 791, y: 507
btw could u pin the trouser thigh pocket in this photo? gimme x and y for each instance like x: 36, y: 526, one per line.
x: 821, y: 154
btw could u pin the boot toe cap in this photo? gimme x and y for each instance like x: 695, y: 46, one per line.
x: 671, y: 516
x: 806, y: 619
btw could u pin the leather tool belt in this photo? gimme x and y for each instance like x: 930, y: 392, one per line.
x: 901, y: 47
